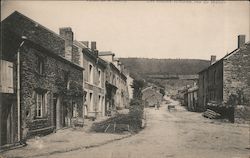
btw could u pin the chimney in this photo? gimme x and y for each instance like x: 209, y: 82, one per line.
x: 213, y: 59
x: 241, y: 40
x: 93, y: 45
x: 67, y: 34
x: 86, y: 43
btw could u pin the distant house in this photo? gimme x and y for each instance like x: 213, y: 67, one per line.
x: 225, y: 85
x: 41, y: 87
x: 151, y: 96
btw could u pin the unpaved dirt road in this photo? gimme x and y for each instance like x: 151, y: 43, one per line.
x: 175, y: 134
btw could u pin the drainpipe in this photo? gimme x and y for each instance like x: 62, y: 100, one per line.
x: 96, y: 64
x: 18, y: 91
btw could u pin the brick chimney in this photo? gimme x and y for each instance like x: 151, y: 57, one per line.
x: 67, y: 34
x: 86, y: 43
x: 93, y: 45
x: 213, y: 59
x: 241, y: 40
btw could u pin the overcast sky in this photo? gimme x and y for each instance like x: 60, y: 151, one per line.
x: 145, y: 29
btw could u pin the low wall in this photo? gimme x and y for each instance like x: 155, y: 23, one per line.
x: 242, y: 114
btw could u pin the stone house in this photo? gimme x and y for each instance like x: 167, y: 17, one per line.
x: 41, y: 89
x: 224, y: 85
x: 116, y: 83
x: 94, y: 80
x: 129, y: 86
x: 111, y: 89
x: 123, y: 88
x: 151, y: 97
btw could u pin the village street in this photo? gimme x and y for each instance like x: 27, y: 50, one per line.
x: 175, y: 134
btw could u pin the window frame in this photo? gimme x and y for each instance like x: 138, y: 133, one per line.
x: 40, y: 65
x: 39, y: 107
x: 99, y: 78
x: 42, y: 98
x: 91, y: 73
x: 91, y: 104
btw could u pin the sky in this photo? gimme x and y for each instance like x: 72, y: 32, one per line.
x: 149, y: 29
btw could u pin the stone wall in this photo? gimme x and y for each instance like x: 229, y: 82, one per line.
x: 237, y: 78
x: 58, y: 75
x: 23, y: 26
x: 242, y: 114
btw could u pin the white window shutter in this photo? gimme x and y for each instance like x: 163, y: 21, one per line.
x: 6, y: 77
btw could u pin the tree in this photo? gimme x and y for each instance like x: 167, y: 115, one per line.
x: 138, y: 86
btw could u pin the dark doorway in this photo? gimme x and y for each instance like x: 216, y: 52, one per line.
x: 8, y: 127
x: 55, y: 100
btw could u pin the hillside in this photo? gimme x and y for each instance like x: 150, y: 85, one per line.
x: 140, y: 67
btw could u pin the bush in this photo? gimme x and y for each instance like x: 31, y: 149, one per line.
x: 120, y: 119
x: 133, y: 119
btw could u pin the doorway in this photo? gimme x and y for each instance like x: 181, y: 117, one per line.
x: 7, y: 126
x: 55, y: 102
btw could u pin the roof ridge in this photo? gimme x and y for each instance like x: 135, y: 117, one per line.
x: 33, y: 21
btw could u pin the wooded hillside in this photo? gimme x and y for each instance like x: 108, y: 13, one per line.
x: 145, y: 66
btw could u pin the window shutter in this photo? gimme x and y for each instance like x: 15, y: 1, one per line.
x: 6, y: 77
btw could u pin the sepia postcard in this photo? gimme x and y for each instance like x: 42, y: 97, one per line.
x: 124, y: 79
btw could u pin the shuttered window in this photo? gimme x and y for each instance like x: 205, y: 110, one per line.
x: 6, y: 77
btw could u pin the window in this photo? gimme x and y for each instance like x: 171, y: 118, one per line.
x: 90, y: 73
x: 75, y: 112
x: 68, y: 84
x: 67, y: 79
x: 91, y: 101
x: 6, y: 77
x: 40, y: 65
x: 99, y: 78
x: 100, y: 103
x: 41, y: 104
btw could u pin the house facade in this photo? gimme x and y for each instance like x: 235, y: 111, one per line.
x: 129, y: 86
x: 41, y: 89
x: 224, y: 85
x: 94, y: 81
x: 116, y: 83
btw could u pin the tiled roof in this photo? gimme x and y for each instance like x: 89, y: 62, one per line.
x: 226, y: 56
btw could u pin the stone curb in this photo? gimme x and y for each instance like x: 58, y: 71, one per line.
x: 77, y: 148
